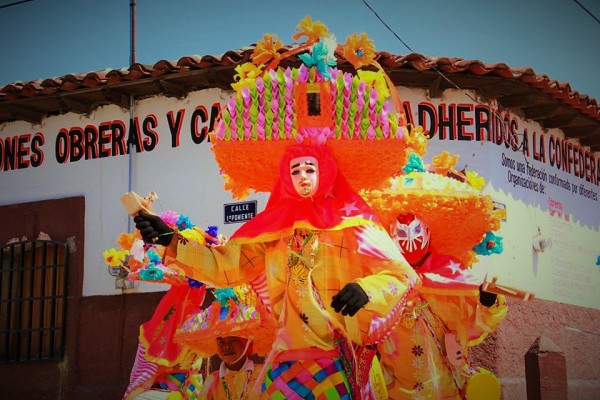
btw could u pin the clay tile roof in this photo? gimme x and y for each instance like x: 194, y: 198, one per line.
x: 190, y: 62
x: 538, y: 96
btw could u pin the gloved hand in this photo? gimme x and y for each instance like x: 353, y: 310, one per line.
x: 350, y: 299
x: 153, y: 229
x: 487, y: 299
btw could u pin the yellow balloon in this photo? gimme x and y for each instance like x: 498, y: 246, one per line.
x: 483, y: 385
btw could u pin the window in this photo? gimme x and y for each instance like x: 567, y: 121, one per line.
x: 33, y: 299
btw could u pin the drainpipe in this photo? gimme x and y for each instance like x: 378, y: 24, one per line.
x: 132, y: 6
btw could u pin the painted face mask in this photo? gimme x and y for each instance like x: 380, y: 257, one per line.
x: 411, y: 235
x: 305, y: 175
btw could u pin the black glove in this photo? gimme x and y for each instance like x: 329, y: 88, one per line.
x: 350, y: 299
x: 487, y: 299
x: 153, y: 229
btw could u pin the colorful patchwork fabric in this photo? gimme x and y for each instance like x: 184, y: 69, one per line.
x: 320, y: 379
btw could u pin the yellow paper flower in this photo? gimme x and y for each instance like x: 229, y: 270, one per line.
x: 114, y: 258
x: 246, y: 75
x: 478, y: 182
x: 359, y: 50
x: 195, y: 235
x: 312, y: 30
x: 416, y: 139
x: 376, y: 80
x: 266, y: 49
x: 444, y: 162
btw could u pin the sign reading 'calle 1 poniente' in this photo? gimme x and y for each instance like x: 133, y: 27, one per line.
x: 239, y: 212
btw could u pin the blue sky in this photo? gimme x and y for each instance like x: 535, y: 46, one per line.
x: 50, y: 38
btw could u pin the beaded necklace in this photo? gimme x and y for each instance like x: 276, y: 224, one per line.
x: 243, y: 394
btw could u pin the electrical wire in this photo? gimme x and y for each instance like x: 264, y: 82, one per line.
x: 412, y: 51
x: 520, y: 147
x: 16, y: 3
x: 587, y: 11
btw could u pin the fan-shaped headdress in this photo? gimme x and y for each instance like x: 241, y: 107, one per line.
x: 235, y: 312
x: 358, y: 114
x: 450, y: 202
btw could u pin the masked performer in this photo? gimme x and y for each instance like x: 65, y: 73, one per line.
x: 435, y: 221
x: 332, y: 278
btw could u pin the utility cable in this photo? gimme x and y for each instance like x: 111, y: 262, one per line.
x: 16, y: 3
x: 587, y: 11
x: 411, y: 50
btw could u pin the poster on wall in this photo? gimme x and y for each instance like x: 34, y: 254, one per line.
x: 549, y: 186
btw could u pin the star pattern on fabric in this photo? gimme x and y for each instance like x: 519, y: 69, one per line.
x: 418, y: 386
x: 417, y: 363
x: 454, y: 267
x: 417, y: 350
x: 349, y: 207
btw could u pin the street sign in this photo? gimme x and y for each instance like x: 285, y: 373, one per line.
x: 239, y: 212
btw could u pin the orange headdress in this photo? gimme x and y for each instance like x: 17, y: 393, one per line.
x: 357, y: 115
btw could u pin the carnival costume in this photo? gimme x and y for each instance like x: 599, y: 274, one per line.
x: 300, y: 252
x: 225, y: 384
x: 437, y: 217
x: 235, y: 312
x: 162, y: 364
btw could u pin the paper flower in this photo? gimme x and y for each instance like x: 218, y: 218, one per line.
x: 376, y: 80
x: 266, y: 50
x: 125, y: 240
x: 114, y: 258
x: 416, y: 139
x: 170, y: 217
x: 312, y: 30
x: 151, y: 273
x: 153, y: 256
x: 213, y: 232
x: 473, y: 178
x: 491, y: 244
x: 184, y: 222
x: 359, y: 50
x: 444, y: 162
x: 414, y: 163
x: 223, y: 296
x: 321, y: 58
x: 246, y: 75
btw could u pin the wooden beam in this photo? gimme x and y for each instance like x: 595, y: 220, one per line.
x: 539, y: 112
x: 492, y: 91
x: 115, y: 97
x: 591, y: 141
x: 559, y: 121
x: 436, y: 88
x: 171, y: 89
x: 72, y: 104
x: 518, y: 100
x: 26, y: 114
x: 582, y: 131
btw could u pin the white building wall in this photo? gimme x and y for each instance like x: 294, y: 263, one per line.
x: 186, y: 179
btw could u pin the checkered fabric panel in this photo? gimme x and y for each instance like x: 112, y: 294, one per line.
x: 320, y: 379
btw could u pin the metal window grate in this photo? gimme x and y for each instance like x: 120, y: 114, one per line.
x: 33, y: 300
